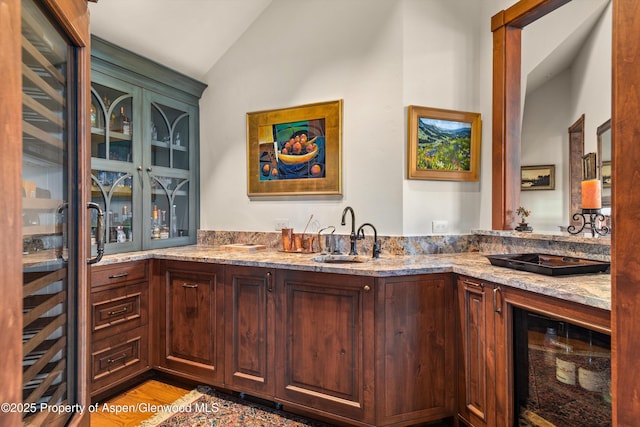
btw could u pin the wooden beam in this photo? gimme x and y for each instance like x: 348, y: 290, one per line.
x: 625, y: 264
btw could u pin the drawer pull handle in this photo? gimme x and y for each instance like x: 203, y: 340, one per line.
x: 117, y: 359
x: 117, y: 312
x: 118, y: 276
x: 497, y: 308
x: 190, y: 285
x: 474, y: 284
x: 269, y: 282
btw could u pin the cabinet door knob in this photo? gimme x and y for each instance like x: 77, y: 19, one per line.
x: 139, y: 168
x: 149, y: 169
x: 367, y: 288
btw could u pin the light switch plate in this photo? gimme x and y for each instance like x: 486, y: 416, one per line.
x: 440, y: 226
x: 280, y: 223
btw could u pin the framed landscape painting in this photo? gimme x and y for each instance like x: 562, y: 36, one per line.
x: 540, y: 177
x: 443, y: 144
x: 295, y: 151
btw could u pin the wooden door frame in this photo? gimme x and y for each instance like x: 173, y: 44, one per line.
x: 625, y: 132
x: 625, y: 198
x: 73, y: 17
x: 11, y: 210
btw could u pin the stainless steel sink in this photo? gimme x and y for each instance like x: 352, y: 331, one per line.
x: 339, y: 258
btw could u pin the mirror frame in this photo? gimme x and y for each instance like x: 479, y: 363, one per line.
x: 507, y: 27
x: 606, y: 126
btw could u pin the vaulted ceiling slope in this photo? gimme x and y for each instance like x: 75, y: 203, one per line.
x: 186, y: 35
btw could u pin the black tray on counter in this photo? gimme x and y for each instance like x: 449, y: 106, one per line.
x: 550, y: 265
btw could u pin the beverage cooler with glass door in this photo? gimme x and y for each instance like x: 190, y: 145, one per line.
x: 52, y: 212
x: 562, y: 373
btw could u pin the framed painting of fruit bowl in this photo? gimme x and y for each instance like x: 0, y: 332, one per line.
x: 443, y: 144
x: 295, y: 151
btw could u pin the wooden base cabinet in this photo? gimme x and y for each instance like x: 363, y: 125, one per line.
x: 491, y: 334
x: 415, y: 349
x: 367, y: 351
x: 250, y: 330
x: 189, y: 341
x: 326, y: 341
x: 119, y: 324
x: 355, y: 350
x: 477, y: 312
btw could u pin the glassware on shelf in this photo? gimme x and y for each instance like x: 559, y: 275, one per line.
x: 155, y: 225
x: 93, y: 116
x: 174, y: 222
x: 126, y: 123
x: 154, y: 132
x: 164, y: 230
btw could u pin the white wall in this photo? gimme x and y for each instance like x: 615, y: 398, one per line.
x: 545, y: 141
x: 591, y: 80
x: 378, y: 56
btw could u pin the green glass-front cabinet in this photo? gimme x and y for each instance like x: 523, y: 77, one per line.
x: 144, y: 150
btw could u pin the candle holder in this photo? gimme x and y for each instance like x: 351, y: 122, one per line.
x: 589, y: 218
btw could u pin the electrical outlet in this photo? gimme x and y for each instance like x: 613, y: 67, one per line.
x: 440, y: 226
x: 280, y: 223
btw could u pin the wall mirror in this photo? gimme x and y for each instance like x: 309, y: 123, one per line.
x: 549, y: 74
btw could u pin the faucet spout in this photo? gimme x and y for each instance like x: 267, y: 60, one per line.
x: 376, y: 244
x: 352, y: 236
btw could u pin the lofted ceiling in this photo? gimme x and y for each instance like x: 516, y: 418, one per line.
x: 186, y: 35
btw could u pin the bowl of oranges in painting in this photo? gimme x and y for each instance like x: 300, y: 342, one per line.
x: 297, y: 156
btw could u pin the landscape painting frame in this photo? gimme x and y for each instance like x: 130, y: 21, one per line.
x: 444, y: 155
x: 537, y: 177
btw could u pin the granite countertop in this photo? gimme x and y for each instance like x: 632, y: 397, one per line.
x: 590, y: 289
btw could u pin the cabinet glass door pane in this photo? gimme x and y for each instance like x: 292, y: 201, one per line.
x: 562, y: 373
x: 169, y: 207
x: 48, y: 161
x: 113, y: 192
x: 169, y: 137
x: 111, y: 124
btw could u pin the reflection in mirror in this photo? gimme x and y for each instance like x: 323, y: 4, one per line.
x: 604, y: 160
x: 566, y: 79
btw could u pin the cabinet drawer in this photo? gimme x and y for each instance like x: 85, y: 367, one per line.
x: 117, y: 310
x: 119, y: 358
x: 119, y: 273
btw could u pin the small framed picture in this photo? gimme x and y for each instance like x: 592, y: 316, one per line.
x: 539, y: 177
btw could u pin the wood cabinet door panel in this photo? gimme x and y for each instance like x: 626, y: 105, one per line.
x: 327, y: 342
x: 249, y: 343
x: 415, y: 321
x: 191, y: 335
x: 476, y: 364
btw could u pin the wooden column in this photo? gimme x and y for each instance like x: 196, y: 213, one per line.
x: 625, y: 270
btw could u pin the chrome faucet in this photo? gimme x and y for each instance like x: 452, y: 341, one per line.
x: 352, y: 236
x: 376, y: 243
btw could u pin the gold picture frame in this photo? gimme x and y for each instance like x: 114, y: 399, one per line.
x: 295, y: 151
x: 443, y: 144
